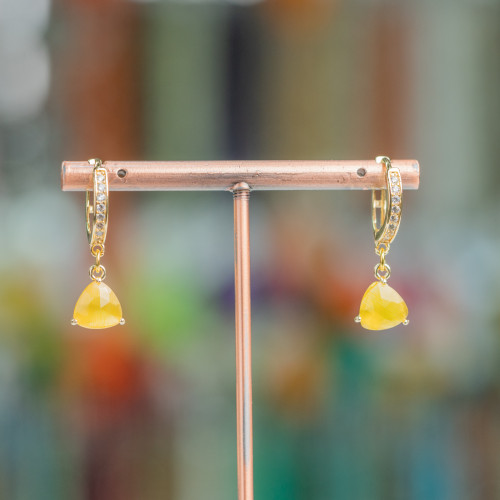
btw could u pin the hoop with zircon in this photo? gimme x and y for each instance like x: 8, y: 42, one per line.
x: 382, y: 307
x: 98, y: 306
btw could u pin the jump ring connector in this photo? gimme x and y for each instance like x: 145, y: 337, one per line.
x: 382, y: 273
x: 382, y: 259
x: 97, y: 273
x: 97, y: 249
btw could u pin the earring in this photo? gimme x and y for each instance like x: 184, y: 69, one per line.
x: 97, y: 307
x: 382, y: 307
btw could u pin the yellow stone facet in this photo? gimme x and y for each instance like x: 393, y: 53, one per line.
x: 382, y: 307
x: 97, y: 307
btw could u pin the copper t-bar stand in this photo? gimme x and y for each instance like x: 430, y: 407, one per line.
x: 240, y: 177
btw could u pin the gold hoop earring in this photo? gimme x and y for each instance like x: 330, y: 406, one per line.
x: 381, y: 306
x: 97, y: 307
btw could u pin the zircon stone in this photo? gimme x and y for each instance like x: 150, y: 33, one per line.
x: 395, y: 210
x: 392, y: 227
x: 97, y: 307
x: 381, y: 307
x: 100, y: 217
x: 396, y: 189
x: 100, y: 178
x: 394, y: 218
x: 101, y: 197
x: 101, y: 207
x: 101, y: 188
x: 396, y: 199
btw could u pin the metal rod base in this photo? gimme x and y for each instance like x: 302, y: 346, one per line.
x: 241, y: 193
x: 222, y: 175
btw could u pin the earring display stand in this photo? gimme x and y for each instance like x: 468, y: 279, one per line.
x: 240, y: 177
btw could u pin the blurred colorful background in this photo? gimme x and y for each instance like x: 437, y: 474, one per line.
x: 147, y: 411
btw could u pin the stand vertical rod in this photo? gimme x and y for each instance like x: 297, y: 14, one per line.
x: 241, y: 194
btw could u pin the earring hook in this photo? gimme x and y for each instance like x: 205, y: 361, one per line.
x: 389, y: 204
x: 97, y: 206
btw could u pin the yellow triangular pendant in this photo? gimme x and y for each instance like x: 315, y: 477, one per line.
x: 382, y: 307
x: 98, y: 307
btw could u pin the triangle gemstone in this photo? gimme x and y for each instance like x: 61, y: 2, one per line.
x: 98, y: 307
x: 382, y: 307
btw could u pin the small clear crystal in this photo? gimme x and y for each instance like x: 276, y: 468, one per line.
x: 101, y: 207
x: 395, y: 189
x: 395, y: 210
x: 394, y: 218
x: 100, y: 217
x: 396, y: 199
x: 100, y: 227
x: 99, y: 234
x: 101, y: 197
x: 101, y: 188
x: 392, y: 227
x: 100, y: 178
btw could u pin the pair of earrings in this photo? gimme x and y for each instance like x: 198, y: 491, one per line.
x: 97, y: 307
x: 381, y: 306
